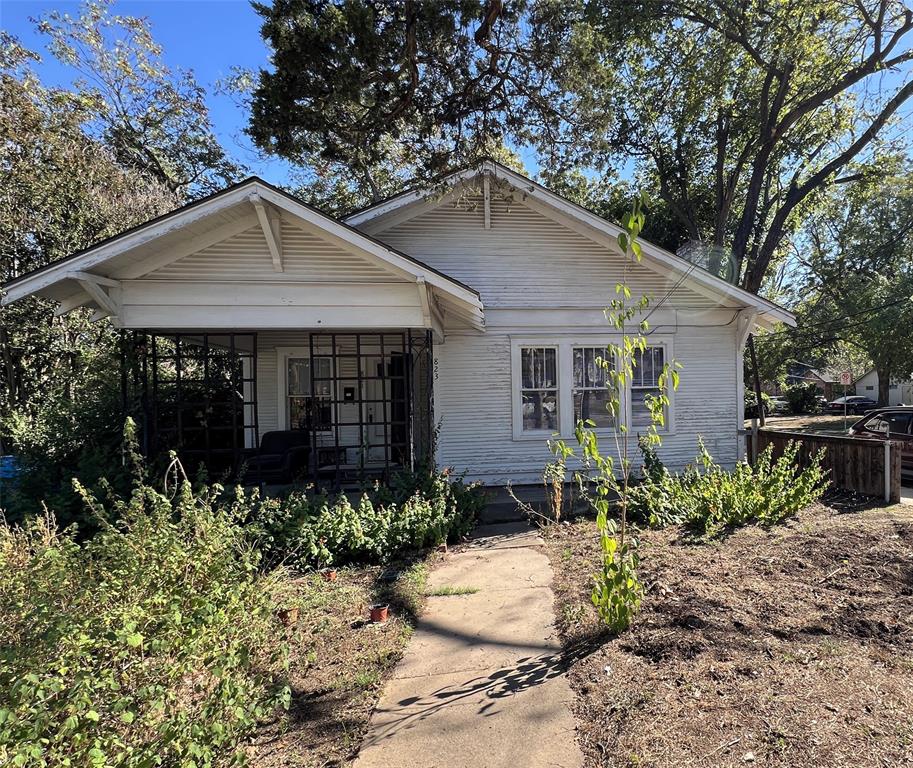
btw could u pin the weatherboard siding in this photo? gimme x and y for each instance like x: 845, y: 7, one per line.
x: 305, y: 258
x: 473, y: 406
x: 539, y: 278
x: 526, y: 259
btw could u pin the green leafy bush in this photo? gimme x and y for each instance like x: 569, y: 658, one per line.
x: 751, y: 403
x: 416, y: 511
x: 712, y: 500
x: 153, y: 643
x: 802, y: 398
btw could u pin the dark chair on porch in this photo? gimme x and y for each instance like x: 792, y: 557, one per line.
x: 281, y: 458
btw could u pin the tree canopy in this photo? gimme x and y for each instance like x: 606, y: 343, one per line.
x: 735, y: 115
x: 152, y: 118
x: 857, y: 279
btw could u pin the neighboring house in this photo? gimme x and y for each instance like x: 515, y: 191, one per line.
x: 900, y: 390
x: 803, y: 373
x: 470, y: 314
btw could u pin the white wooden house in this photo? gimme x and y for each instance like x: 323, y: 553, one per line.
x: 900, y: 390
x: 474, y: 310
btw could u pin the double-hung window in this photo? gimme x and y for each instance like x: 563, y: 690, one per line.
x: 591, y: 382
x: 558, y: 382
x: 648, y: 366
x: 309, y: 407
x: 539, y: 389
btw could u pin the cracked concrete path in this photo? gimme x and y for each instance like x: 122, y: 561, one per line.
x: 482, y: 681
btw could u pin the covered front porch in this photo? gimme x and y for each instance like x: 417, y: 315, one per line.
x: 333, y: 408
x: 267, y: 341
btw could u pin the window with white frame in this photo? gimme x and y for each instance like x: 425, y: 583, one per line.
x: 591, y: 382
x: 539, y: 388
x: 307, y: 407
x: 648, y: 366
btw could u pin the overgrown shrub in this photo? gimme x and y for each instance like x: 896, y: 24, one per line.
x: 416, y: 511
x: 153, y: 643
x: 802, y: 398
x: 712, y: 500
x: 751, y: 403
x: 67, y: 434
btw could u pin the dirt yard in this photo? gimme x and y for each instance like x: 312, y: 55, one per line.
x: 784, y: 647
x: 815, y: 422
x: 339, y: 663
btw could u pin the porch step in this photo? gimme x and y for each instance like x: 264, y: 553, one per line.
x: 502, y: 508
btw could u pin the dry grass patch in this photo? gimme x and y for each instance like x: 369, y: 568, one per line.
x: 784, y: 647
x: 339, y: 663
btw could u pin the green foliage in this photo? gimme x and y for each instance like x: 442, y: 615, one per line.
x: 418, y: 510
x: 427, y: 85
x: 802, y: 398
x: 712, y: 500
x: 858, y: 281
x: 153, y: 119
x: 603, y: 481
x: 617, y: 589
x: 751, y: 402
x: 73, y: 431
x: 154, y: 643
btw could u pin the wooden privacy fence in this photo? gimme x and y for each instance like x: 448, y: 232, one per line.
x: 870, y: 467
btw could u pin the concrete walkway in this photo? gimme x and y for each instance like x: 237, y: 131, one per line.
x: 481, y: 683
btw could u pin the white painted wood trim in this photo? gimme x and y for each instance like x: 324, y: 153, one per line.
x: 486, y: 193
x: 145, y: 234
x: 744, y: 326
x: 564, y: 344
x: 266, y: 225
x: 545, y: 201
x: 99, y: 296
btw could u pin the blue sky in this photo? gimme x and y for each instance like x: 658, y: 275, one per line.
x: 206, y: 36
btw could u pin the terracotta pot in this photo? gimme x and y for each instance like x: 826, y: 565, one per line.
x: 329, y: 574
x: 289, y: 616
x: 380, y: 613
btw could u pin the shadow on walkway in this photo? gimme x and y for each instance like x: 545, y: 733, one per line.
x: 528, y: 672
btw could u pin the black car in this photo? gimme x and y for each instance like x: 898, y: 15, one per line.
x: 894, y: 423
x: 855, y: 404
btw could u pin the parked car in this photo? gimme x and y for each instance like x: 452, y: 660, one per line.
x: 855, y: 404
x: 779, y: 406
x: 895, y: 423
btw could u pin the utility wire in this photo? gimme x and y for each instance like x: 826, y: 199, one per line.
x: 834, y: 320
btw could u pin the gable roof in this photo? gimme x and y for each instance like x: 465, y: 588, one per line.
x: 207, y: 220
x: 411, y: 203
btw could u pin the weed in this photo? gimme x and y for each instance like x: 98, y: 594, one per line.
x: 450, y: 590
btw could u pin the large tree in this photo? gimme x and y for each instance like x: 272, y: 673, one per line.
x: 420, y: 86
x: 153, y: 118
x: 738, y: 114
x: 741, y: 113
x: 60, y: 191
x: 858, y: 281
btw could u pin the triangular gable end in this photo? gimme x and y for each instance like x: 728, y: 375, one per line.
x: 404, y: 207
x: 251, y: 230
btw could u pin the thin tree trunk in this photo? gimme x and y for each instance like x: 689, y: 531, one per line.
x: 884, y: 384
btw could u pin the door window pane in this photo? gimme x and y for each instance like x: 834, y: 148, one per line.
x: 307, y: 409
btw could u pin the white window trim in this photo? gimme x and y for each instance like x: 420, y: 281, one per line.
x: 516, y: 368
x: 565, y: 346
x: 282, y: 357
